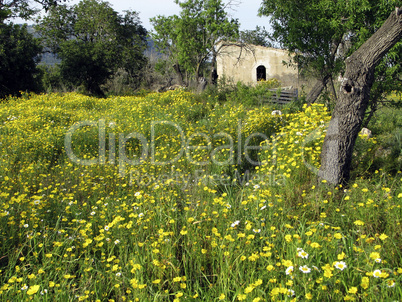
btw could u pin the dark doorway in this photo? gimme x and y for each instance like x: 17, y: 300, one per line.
x: 261, y: 73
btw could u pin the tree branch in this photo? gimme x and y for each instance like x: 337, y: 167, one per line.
x: 349, y: 112
x: 321, y: 84
x: 371, y: 52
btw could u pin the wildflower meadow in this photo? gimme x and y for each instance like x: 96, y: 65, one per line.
x: 176, y: 197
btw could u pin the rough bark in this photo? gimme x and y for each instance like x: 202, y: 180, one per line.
x: 346, y: 121
x: 179, y: 74
x: 202, y: 84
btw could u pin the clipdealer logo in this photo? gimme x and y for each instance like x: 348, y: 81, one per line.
x: 148, y: 147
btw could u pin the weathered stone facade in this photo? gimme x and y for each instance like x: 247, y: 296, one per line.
x: 252, y: 63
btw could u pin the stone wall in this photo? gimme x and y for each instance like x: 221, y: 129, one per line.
x: 250, y: 63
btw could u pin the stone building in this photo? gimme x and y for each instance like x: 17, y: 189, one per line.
x: 251, y: 63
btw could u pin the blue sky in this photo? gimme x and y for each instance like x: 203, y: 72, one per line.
x: 245, y: 11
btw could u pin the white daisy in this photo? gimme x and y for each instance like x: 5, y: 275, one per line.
x: 305, y: 269
x: 302, y: 254
x: 235, y: 223
x: 340, y: 265
x: 377, y: 273
x: 289, y: 270
x: 291, y: 293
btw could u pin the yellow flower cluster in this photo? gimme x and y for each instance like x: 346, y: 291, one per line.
x: 192, y: 229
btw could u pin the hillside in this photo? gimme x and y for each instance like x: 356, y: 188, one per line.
x: 168, y: 197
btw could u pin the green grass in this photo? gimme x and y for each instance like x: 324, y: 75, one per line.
x: 209, y: 226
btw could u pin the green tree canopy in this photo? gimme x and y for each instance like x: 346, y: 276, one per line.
x: 19, y: 53
x: 190, y: 38
x: 258, y: 36
x: 22, y: 8
x: 355, y: 88
x: 93, y: 41
x: 359, y: 40
x: 322, y: 33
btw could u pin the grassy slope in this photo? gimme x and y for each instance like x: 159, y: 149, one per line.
x: 183, y: 231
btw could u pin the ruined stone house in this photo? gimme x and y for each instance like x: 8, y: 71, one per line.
x: 251, y: 63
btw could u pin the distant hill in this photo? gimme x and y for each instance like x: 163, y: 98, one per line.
x: 47, y: 58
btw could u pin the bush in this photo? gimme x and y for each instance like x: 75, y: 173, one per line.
x: 51, y: 79
x: 256, y: 95
x: 19, y: 53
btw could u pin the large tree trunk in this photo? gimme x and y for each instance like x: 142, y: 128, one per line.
x: 353, y: 99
